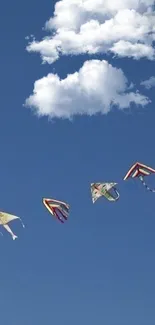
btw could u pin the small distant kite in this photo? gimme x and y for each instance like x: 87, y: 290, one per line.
x: 140, y: 170
x: 57, y: 208
x: 5, y: 218
x: 108, y: 190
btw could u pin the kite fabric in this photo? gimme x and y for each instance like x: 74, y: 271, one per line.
x: 5, y: 218
x: 108, y: 190
x: 140, y: 170
x: 59, y: 209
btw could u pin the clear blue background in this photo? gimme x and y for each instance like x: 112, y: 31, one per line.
x: 98, y: 268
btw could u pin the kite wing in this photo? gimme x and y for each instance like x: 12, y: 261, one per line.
x: 5, y: 218
x: 59, y: 209
x: 95, y: 192
x: 140, y: 170
x: 104, y: 189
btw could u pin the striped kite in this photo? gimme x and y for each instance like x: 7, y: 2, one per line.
x: 57, y: 208
x: 140, y: 170
x: 108, y: 190
x: 5, y: 218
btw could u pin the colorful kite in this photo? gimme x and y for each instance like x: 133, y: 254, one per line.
x: 5, y: 218
x: 140, y: 170
x: 57, y: 208
x: 108, y: 190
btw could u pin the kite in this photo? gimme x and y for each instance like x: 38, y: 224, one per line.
x: 5, y: 218
x: 140, y: 170
x: 108, y: 190
x: 57, y: 208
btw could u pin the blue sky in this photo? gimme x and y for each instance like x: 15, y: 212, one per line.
x: 97, y: 268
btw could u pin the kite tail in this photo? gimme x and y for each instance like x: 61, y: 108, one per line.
x: 146, y: 186
x: 22, y: 222
x: 60, y: 219
x: 118, y: 195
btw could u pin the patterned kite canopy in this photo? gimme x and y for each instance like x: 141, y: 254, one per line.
x: 59, y: 209
x: 140, y: 170
x: 108, y: 190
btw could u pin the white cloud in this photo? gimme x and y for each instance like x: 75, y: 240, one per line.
x: 137, y: 51
x: 93, y: 89
x: 149, y: 83
x: 123, y: 27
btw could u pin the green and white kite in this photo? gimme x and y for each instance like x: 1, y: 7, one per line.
x: 108, y: 190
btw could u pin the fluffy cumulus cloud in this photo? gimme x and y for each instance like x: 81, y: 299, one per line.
x: 124, y: 28
x: 149, y: 83
x: 93, y: 89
